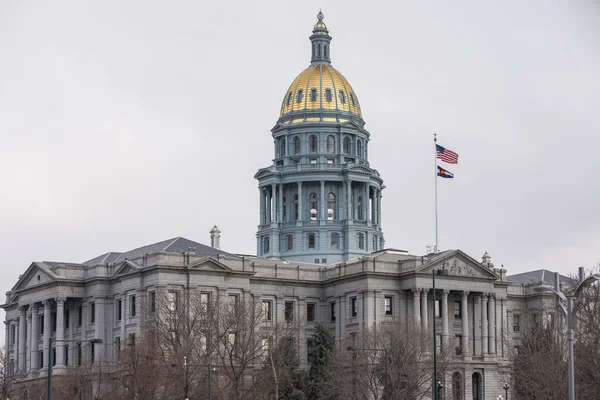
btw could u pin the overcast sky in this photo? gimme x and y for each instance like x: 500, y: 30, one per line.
x: 123, y: 123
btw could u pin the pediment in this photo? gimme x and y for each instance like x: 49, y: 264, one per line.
x: 210, y: 264
x: 127, y: 267
x: 36, y: 275
x: 457, y: 263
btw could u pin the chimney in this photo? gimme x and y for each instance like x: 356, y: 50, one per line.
x: 215, y: 237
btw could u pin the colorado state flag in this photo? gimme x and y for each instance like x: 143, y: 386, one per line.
x: 444, y: 173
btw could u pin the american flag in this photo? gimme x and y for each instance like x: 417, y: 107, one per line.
x: 446, y: 155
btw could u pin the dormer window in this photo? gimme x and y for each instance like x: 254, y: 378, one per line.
x: 352, y: 99
x: 299, y: 96
x: 313, y: 95
x: 289, y: 99
x: 342, y: 97
x: 328, y: 95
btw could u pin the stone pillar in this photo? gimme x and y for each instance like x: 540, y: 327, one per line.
x: 322, y: 212
x: 273, y: 207
x: 28, y: 341
x: 262, y: 197
x: 445, y: 332
x: 47, y: 331
x: 366, y: 205
x: 300, y: 210
x: 464, y: 310
x: 349, y: 200
x: 280, y: 203
x: 484, y: 324
x: 6, y: 343
x: 379, y: 206
x: 60, y: 331
x: 369, y: 212
x: 492, y: 324
x: 376, y: 205
x: 22, y: 339
x: 477, y: 324
x: 35, y: 336
x: 424, y: 318
x: 100, y: 322
x: 416, y: 307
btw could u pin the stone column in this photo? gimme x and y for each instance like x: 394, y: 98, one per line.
x: 262, y: 196
x: 100, y: 322
x: 424, y: 318
x: 379, y: 206
x: 6, y: 342
x: 416, y: 307
x: 22, y: 339
x: 322, y: 213
x: 464, y: 314
x: 376, y: 205
x: 300, y: 210
x: 349, y: 199
x: 280, y: 203
x: 35, y: 336
x: 477, y: 324
x: 445, y: 332
x: 28, y: 341
x: 273, y: 205
x: 47, y: 330
x: 492, y: 324
x: 369, y: 212
x: 484, y: 325
x: 366, y: 205
x: 60, y: 331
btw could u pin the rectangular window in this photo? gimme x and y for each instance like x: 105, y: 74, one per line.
x: 328, y: 95
x: 313, y: 95
x: 266, y: 310
x: 438, y: 308
x: 332, y: 306
x: 152, y: 302
x: 205, y: 301
x: 132, y: 340
x: 288, y: 311
x: 79, y: 316
x: 92, y: 313
x: 41, y: 359
x: 516, y: 322
x: 388, y: 305
x: 132, y: 310
x: 299, y: 96
x: 313, y: 160
x: 119, y: 310
x: 67, y: 355
x: 342, y: 97
x: 92, y: 353
x: 233, y: 302
x: 330, y: 160
x: 458, y: 345
x: 66, y: 318
x: 173, y: 301
x: 310, y: 347
x: 311, y: 241
x: 53, y: 321
x: 457, y: 310
x: 310, y: 312
x: 117, y: 348
x: 13, y: 335
x: 79, y: 355
x: 353, y: 303
x: 316, y: 261
x: 41, y: 325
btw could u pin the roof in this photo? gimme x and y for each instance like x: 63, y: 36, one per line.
x: 175, y: 245
x: 537, y: 276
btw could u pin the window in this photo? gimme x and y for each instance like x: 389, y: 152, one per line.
x: 353, y: 307
x: 388, y: 305
x: 342, y: 97
x: 296, y: 210
x: 53, y: 356
x: 311, y: 241
x: 266, y: 310
x: 347, y: 146
x: 41, y: 359
x: 457, y: 386
x: 330, y: 160
x: 457, y: 310
x: 265, y: 245
x: 205, y: 301
x: 282, y: 147
x: 330, y: 144
x: 284, y: 209
x: 458, y: 345
x: 316, y: 261
x: 233, y: 303
x: 313, y: 160
x: 359, y: 208
x: 288, y: 311
x: 92, y: 353
x: 330, y: 206
x: 328, y: 95
x: 152, y: 302
x: 172, y: 301
x: 359, y: 148
x: 352, y: 99
x: 438, y: 308
x: 310, y: 312
x: 92, y: 313
x: 119, y: 309
x: 79, y: 355
x: 313, y: 144
x: 290, y: 242
x: 132, y: 340
x: 313, y: 205
x: 360, y: 241
x: 299, y: 96
x: 374, y: 243
x: 297, y: 145
x: 332, y: 308
x: 335, y: 240
x: 66, y: 355
x: 313, y: 95
x: 53, y: 321
x: 516, y: 322
x: 117, y: 348
x: 132, y: 310
x: 79, y: 316
x: 13, y: 335
x: 289, y: 99
x: 67, y: 315
x: 41, y: 325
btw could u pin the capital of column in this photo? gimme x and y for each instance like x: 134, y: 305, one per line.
x: 415, y: 291
x: 465, y: 293
x: 47, y: 303
x: 445, y: 293
x: 23, y: 310
x: 477, y: 298
x: 61, y: 300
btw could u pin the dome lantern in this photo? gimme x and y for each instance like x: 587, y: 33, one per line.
x: 321, y: 42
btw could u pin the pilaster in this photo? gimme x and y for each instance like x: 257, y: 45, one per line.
x: 22, y: 340
x: 424, y: 317
x: 416, y: 306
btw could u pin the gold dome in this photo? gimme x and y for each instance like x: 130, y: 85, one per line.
x: 320, y: 88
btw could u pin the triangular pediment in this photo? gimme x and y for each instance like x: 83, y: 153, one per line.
x: 210, y: 264
x: 127, y: 267
x: 37, y: 274
x: 458, y: 263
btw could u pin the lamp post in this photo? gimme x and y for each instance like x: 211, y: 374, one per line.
x: 209, y: 368
x: 352, y: 348
x: 49, y: 380
x: 572, y: 305
x: 506, y: 386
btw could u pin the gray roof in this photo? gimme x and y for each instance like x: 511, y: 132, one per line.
x: 537, y: 276
x: 175, y: 245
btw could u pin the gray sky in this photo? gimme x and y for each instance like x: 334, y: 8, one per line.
x: 124, y: 123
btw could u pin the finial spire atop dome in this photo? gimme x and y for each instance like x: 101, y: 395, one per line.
x: 321, y: 42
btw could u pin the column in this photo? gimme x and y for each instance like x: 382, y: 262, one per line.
x: 464, y: 314
x: 477, y: 325
x: 300, y: 209
x: 445, y: 317
x: 492, y: 324
x: 375, y: 205
x: 47, y: 329
x: 416, y: 307
x: 22, y: 339
x: 368, y: 202
x: 379, y: 206
x: 262, y: 196
x: 402, y: 307
x: 349, y: 199
x: 424, y: 318
x: 28, y: 341
x: 60, y: 331
x: 484, y: 324
x: 35, y: 335
x: 273, y: 208
x: 100, y: 323
x: 322, y: 213
x: 280, y: 203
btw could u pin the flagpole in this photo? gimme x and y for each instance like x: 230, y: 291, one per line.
x: 436, y: 196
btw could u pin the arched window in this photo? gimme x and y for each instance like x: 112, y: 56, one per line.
x: 313, y: 144
x: 296, y: 215
x: 265, y: 245
x: 457, y: 386
x: 290, y: 242
x: 359, y: 148
x: 313, y: 205
x: 359, y: 209
x: 297, y: 145
x: 284, y: 208
x: 347, y: 145
x: 330, y: 144
x: 330, y: 207
x: 477, y: 395
x: 360, y: 241
x: 335, y: 240
x: 312, y: 243
x: 281, y: 147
